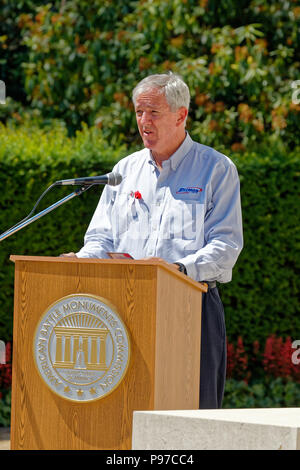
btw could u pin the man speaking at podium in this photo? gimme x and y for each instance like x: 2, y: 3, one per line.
x: 179, y: 201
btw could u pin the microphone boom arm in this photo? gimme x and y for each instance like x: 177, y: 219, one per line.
x: 24, y: 223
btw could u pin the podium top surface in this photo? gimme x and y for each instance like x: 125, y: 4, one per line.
x: 150, y: 262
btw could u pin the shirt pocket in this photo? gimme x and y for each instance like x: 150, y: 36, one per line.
x: 120, y: 214
x: 129, y: 216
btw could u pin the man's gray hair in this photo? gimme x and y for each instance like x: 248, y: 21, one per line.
x: 170, y: 85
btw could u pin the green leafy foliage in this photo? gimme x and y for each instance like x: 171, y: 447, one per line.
x: 31, y: 159
x: 12, y: 50
x: 5, y: 408
x: 263, y: 295
x: 70, y: 67
x: 239, y: 59
x: 270, y: 393
x: 274, y: 393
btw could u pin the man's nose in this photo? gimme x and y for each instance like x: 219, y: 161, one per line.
x: 145, y: 118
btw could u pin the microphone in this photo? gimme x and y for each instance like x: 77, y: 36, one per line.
x: 112, y: 179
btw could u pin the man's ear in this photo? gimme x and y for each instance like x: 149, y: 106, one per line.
x: 182, y: 114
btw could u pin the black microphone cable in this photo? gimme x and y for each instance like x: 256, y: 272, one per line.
x: 83, y: 189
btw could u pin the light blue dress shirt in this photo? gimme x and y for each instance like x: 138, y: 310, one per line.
x: 189, y: 212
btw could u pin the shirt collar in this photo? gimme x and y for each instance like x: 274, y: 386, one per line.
x: 177, y: 156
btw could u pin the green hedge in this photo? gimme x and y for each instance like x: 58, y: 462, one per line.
x: 5, y: 408
x: 270, y: 393
x: 262, y: 298
x: 30, y: 160
x: 78, y: 60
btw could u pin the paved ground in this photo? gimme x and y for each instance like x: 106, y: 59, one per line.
x: 4, y: 439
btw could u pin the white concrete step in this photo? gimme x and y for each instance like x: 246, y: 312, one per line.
x: 225, y: 429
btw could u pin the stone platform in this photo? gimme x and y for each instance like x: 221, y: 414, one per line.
x: 225, y: 429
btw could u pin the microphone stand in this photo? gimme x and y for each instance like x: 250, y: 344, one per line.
x: 24, y: 223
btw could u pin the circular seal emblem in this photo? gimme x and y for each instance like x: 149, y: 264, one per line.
x: 81, y: 348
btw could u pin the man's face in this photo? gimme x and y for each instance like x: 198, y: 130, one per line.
x: 160, y: 128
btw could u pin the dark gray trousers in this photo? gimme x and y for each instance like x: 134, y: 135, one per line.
x: 213, y: 351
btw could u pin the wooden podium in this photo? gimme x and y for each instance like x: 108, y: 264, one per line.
x: 160, y: 308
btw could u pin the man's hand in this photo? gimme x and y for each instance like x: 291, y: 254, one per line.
x: 70, y: 255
